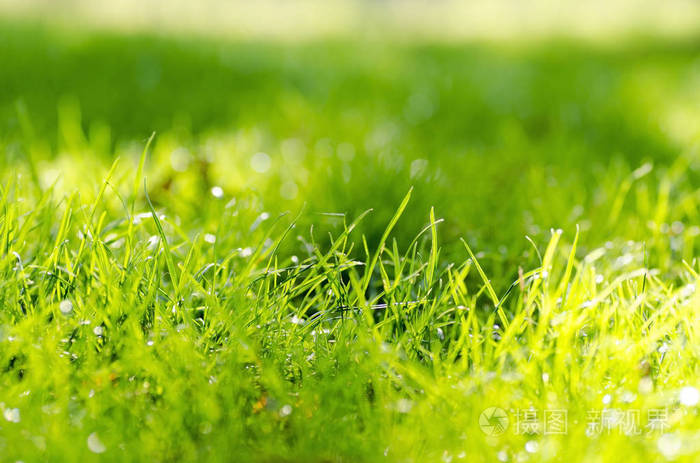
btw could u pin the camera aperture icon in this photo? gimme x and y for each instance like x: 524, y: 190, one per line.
x: 493, y: 421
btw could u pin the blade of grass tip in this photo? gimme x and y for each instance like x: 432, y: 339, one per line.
x: 279, y: 240
x: 487, y: 284
x: 687, y: 266
x: 102, y: 189
x: 551, y: 248
x: 89, y: 219
x: 432, y: 265
x: 537, y: 251
x: 130, y: 211
x: 184, y: 273
x: 168, y: 256
x: 139, y: 170
x: 380, y: 247
x: 543, y: 280
x: 646, y: 266
x: 561, y: 291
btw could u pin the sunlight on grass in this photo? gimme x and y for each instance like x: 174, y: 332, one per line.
x: 357, y: 248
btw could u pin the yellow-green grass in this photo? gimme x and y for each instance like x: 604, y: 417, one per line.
x: 181, y: 296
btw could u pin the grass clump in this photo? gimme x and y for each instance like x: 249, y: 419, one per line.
x: 129, y: 333
x: 159, y: 301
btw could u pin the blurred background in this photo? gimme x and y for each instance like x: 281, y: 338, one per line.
x: 510, y: 118
x: 440, y: 19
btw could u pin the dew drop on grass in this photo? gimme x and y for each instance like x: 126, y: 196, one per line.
x: 286, y: 410
x: 65, y: 307
x: 689, y: 396
x: 440, y: 334
x: 669, y: 445
x: 532, y: 446
x: 95, y: 444
x: 12, y: 415
x: 260, y: 162
x: 153, y: 242
x: 246, y: 252
x: 404, y: 405
x: 217, y: 192
x: 502, y: 456
x: 209, y: 238
x: 98, y: 330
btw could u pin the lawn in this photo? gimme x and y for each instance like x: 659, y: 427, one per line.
x: 348, y: 249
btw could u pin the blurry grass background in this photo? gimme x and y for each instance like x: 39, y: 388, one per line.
x: 407, y: 19
x: 508, y: 118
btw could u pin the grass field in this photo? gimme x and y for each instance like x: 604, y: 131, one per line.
x: 347, y: 249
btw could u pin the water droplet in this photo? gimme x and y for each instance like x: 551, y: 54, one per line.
x: 669, y: 445
x: 153, y: 242
x: 95, y: 444
x: 217, y: 192
x: 65, y: 307
x: 404, y: 405
x: 286, y: 410
x: 689, y: 396
x: 12, y: 415
x: 260, y: 162
x: 246, y: 252
x: 532, y: 446
x: 209, y: 238
x: 98, y: 330
x: 440, y: 334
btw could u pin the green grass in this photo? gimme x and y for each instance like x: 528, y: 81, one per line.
x: 530, y: 244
